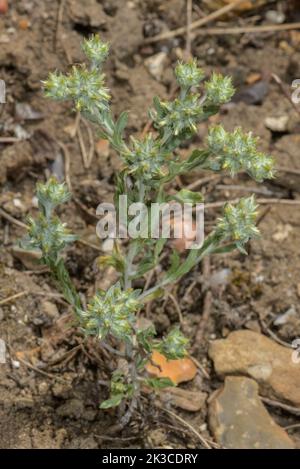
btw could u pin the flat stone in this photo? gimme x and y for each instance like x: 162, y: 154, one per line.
x: 239, y: 420
x: 252, y: 354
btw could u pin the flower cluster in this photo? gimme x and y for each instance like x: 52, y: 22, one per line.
x: 47, y: 233
x: 188, y: 74
x: 174, y: 345
x: 51, y: 194
x: 49, y: 236
x: 219, y: 89
x: 237, y: 151
x: 147, y: 158
x: 111, y: 312
x: 238, y: 222
x: 95, y: 50
x: 179, y: 117
x: 82, y: 85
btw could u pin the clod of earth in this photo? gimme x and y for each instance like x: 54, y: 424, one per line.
x: 239, y: 420
x: 254, y: 355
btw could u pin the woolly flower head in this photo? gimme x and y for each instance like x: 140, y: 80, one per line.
x: 85, y: 87
x: 237, y: 151
x: 49, y: 237
x: 95, y: 50
x: 178, y: 117
x: 238, y: 222
x: 111, y: 312
x: 188, y: 74
x: 174, y: 345
x: 147, y: 158
x: 219, y: 89
x: 52, y: 194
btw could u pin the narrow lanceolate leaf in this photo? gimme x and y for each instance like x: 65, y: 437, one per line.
x: 188, y: 197
x: 159, y: 383
x: 112, y: 402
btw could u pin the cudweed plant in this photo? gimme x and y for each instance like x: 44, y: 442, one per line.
x: 149, y: 164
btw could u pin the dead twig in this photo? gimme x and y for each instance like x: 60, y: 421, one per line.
x: 207, y: 303
x: 13, y: 297
x: 259, y: 201
x: 11, y: 219
x: 255, y: 190
x: 84, y: 208
x: 188, y: 45
x: 201, y: 182
x: 66, y: 154
x: 200, y: 367
x: 59, y: 18
x: 34, y: 368
x: 196, y: 24
x: 288, y: 170
x: 90, y: 245
x: 10, y: 139
x: 281, y: 85
x: 203, y: 440
x: 82, y: 148
x: 292, y: 427
x: 274, y: 336
x: 177, y: 307
x: 91, y: 142
x: 266, y: 28
x: 281, y: 405
x: 41, y: 372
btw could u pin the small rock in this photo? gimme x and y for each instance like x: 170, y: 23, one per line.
x: 277, y: 124
x: 285, y: 317
x: 60, y: 389
x: 50, y: 310
x: 252, y: 94
x: 43, y: 388
x: 156, y: 65
x: 219, y: 278
x: 24, y: 402
x: 73, y: 408
x: 193, y: 401
x: 253, y: 78
x: 282, y: 232
x: 254, y: 355
x: 87, y: 14
x: 25, y: 112
x: 239, y: 420
x: 275, y: 17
